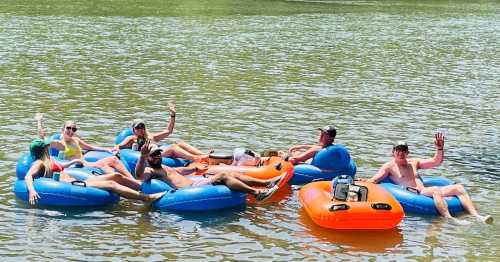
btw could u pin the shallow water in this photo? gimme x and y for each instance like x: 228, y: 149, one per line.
x: 258, y: 74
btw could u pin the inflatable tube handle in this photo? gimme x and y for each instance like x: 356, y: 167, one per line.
x: 79, y: 183
x: 413, y: 190
x: 381, y: 206
x: 339, y: 207
x: 96, y: 173
x: 278, y: 166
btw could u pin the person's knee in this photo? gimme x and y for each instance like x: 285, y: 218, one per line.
x: 114, y: 159
x: 437, y: 193
x: 460, y: 189
x: 221, y: 177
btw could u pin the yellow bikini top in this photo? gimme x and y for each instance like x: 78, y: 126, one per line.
x: 72, y: 151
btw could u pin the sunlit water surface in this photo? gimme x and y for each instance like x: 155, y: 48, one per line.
x: 262, y: 75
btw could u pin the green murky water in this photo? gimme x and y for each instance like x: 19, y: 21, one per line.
x: 260, y: 74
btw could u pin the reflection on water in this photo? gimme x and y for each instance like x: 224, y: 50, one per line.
x: 262, y: 75
x: 353, y: 240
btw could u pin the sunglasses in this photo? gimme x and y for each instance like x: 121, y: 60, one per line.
x: 72, y: 128
x: 140, y: 126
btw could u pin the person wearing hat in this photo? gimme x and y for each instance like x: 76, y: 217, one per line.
x: 403, y: 171
x: 71, y: 147
x: 151, y: 156
x: 302, y: 153
x: 180, y: 149
x: 44, y: 166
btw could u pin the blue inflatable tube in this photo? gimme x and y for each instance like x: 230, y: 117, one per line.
x: 327, y: 164
x: 55, y: 193
x: 419, y: 204
x: 202, y: 198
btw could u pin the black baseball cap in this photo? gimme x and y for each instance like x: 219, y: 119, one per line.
x: 330, y: 130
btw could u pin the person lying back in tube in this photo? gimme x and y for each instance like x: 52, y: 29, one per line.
x: 150, y: 166
x: 180, y: 149
x: 45, y: 166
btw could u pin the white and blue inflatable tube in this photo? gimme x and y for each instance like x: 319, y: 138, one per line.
x: 62, y: 194
x: 327, y: 164
x: 200, y: 198
x: 130, y: 157
x: 413, y: 202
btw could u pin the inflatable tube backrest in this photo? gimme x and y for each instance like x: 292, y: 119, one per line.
x: 23, y: 165
x: 122, y: 135
x: 334, y: 157
x: 52, y: 151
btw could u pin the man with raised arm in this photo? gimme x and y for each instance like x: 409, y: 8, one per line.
x: 403, y: 171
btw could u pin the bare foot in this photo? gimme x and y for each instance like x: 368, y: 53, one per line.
x: 485, y: 219
x: 459, y: 222
x: 154, y: 197
x: 201, y: 158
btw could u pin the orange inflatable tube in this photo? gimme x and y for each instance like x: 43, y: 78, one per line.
x: 273, y: 167
x: 380, y: 210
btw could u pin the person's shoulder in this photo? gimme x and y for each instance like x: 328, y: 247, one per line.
x: 414, y: 161
x: 388, y: 165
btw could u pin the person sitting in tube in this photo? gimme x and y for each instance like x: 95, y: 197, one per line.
x: 180, y: 149
x: 302, y: 153
x: 71, y: 147
x: 403, y: 171
x: 151, y: 157
x: 44, y: 166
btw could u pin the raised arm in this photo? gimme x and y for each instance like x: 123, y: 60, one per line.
x: 170, y: 128
x: 39, y: 124
x: 438, y: 156
x: 41, y: 132
x: 141, y: 163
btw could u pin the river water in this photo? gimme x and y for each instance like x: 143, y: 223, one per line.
x: 263, y: 75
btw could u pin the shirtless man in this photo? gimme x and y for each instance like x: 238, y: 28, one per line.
x: 403, y: 171
x: 175, y: 177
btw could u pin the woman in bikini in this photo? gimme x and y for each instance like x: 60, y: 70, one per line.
x: 72, y: 147
x: 45, y: 166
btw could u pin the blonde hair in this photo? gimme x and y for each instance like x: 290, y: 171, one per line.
x: 46, y: 163
x: 69, y: 123
x: 147, y: 135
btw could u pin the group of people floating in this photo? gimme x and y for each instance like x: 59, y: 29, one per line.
x: 401, y: 169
